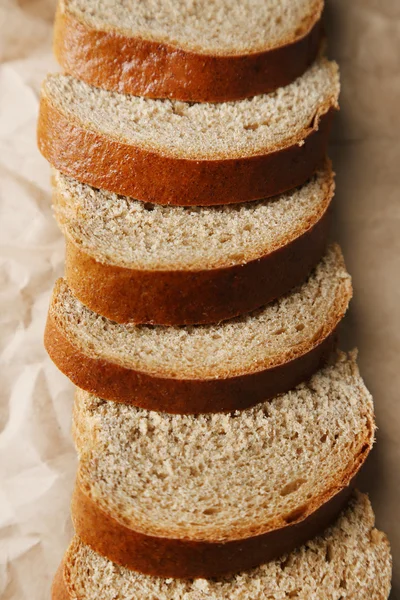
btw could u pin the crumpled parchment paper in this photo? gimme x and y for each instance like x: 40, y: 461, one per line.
x: 37, y: 460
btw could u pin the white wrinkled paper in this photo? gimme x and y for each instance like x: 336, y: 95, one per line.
x: 37, y: 459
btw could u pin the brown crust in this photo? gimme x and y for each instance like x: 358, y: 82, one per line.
x: 147, y: 175
x: 159, y: 70
x: 184, y: 558
x: 59, y: 589
x: 192, y: 297
x: 180, y: 396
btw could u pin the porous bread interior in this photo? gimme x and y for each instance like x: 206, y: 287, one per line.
x: 215, y: 26
x: 280, y: 331
x: 257, y: 125
x: 350, y: 560
x: 124, y: 232
x: 225, y: 476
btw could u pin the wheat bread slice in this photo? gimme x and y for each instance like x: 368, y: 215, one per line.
x: 200, y: 496
x: 351, y: 559
x: 171, y: 152
x: 201, y: 52
x: 134, y: 262
x: 202, y: 368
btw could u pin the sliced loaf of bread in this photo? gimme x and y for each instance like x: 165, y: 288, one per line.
x: 202, y: 368
x: 196, y: 51
x: 169, y: 265
x: 171, y: 152
x: 350, y: 560
x: 200, y: 496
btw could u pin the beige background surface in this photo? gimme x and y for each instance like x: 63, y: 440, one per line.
x: 37, y: 461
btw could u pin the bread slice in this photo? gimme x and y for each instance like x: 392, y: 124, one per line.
x: 200, y: 496
x: 170, y: 152
x: 196, y: 51
x: 350, y: 560
x: 169, y: 265
x: 203, y: 368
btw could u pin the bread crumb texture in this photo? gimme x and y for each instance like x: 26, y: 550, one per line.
x: 214, y: 26
x: 351, y: 561
x: 121, y: 231
x: 282, y: 330
x: 250, y: 127
x: 225, y: 476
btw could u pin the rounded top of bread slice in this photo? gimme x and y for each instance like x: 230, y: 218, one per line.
x: 226, y: 476
x: 284, y: 329
x: 350, y: 555
x: 124, y: 232
x: 217, y: 27
x: 250, y: 127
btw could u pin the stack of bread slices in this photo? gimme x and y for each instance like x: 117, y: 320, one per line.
x: 219, y: 429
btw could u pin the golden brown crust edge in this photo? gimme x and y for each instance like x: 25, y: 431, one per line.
x: 158, y: 70
x: 193, y: 297
x: 147, y: 175
x: 59, y: 589
x: 180, y: 396
x: 184, y: 558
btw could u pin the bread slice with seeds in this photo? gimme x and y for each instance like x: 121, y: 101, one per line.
x: 351, y: 559
x: 172, y: 152
x: 145, y: 263
x: 202, y: 368
x: 200, y: 496
x: 195, y: 51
